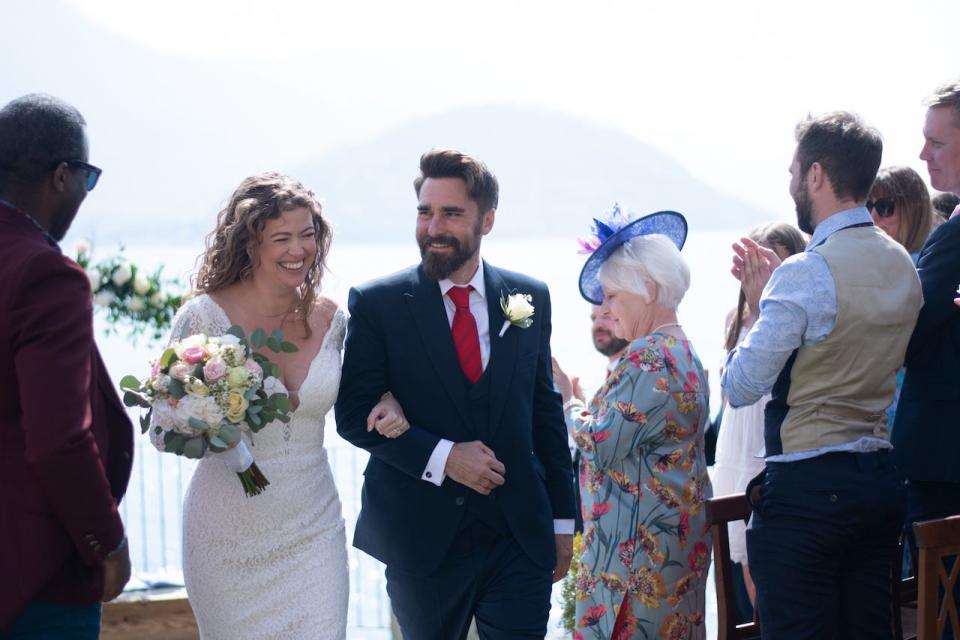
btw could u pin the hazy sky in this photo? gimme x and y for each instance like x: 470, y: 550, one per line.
x: 716, y: 85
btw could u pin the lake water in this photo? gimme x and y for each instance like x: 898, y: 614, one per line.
x: 152, y: 508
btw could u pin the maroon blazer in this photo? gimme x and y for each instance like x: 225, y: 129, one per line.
x: 66, y: 443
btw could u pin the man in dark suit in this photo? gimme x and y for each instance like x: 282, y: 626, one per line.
x: 926, y: 435
x: 472, y: 508
x: 65, y: 440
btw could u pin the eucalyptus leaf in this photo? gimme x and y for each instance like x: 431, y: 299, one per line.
x: 130, y: 382
x: 278, y: 334
x: 254, y: 419
x: 198, y: 371
x: 130, y: 399
x: 175, y: 387
x: 169, y: 355
x: 251, y: 393
x: 275, y: 370
x: 217, y: 441
x: 230, y: 434
x: 255, y: 409
x: 198, y: 424
x: 145, y: 422
x: 273, y: 344
x: 174, y: 442
x: 236, y: 331
x: 282, y: 402
x: 195, y: 448
x: 289, y: 347
x: 284, y: 418
x: 258, y: 337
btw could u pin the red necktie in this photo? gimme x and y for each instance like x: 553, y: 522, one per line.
x: 465, y: 336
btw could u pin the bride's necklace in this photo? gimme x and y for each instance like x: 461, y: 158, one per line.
x: 664, y: 325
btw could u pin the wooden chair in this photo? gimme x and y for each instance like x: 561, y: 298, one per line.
x: 936, y: 540
x: 720, y: 511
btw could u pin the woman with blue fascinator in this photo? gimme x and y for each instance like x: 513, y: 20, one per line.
x: 643, y: 475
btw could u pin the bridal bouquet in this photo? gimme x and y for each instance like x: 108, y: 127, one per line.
x: 205, y: 391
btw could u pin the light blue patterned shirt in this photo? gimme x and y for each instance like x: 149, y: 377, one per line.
x: 798, y: 307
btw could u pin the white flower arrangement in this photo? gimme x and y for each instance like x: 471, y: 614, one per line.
x: 128, y: 294
x: 518, y: 311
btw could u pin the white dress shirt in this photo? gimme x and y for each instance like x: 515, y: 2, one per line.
x: 436, y: 465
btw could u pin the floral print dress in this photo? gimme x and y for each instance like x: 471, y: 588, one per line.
x: 643, y: 481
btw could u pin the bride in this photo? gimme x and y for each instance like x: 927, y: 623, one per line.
x: 274, y: 565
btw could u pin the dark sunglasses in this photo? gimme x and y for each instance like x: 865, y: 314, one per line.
x: 93, y: 173
x: 884, y: 206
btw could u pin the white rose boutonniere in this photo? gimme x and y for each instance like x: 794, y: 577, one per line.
x: 517, y: 309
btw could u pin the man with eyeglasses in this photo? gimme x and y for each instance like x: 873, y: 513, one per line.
x: 66, y: 444
x: 926, y: 435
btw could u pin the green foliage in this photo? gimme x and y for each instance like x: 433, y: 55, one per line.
x: 129, y: 295
x: 568, y: 589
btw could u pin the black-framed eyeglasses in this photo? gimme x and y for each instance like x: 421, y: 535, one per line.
x: 93, y: 173
x: 884, y: 207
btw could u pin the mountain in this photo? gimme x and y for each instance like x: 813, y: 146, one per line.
x: 555, y: 173
x: 175, y: 135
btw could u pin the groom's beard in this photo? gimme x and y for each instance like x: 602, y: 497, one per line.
x: 440, y: 266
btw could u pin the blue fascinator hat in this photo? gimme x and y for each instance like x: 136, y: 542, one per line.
x: 610, y: 234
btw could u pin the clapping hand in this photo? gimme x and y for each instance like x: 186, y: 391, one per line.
x: 387, y: 417
x: 567, y: 386
x: 753, y: 265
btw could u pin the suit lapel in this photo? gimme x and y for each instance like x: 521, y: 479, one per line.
x: 430, y: 316
x: 503, y: 350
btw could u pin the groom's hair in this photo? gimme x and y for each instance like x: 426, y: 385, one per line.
x: 37, y: 131
x: 482, y: 185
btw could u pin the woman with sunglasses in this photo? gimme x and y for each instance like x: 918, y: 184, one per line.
x: 900, y: 205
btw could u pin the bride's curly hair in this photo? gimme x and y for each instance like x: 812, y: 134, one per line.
x: 232, y: 247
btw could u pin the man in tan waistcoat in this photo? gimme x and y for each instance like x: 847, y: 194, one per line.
x: 832, y: 327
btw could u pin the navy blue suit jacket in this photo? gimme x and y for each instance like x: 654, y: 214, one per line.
x: 399, y: 340
x: 926, y: 430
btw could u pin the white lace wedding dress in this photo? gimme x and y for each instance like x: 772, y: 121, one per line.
x: 274, y: 565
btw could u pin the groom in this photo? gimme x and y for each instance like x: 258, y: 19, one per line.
x: 472, y: 508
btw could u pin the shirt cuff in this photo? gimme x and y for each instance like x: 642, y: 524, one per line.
x: 563, y: 527
x: 434, y: 473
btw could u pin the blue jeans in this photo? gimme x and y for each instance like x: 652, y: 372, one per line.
x: 49, y: 621
x: 821, y: 543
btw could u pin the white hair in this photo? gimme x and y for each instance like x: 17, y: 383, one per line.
x: 644, y: 260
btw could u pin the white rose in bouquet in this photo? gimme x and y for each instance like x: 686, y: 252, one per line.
x: 214, y: 369
x: 181, y: 371
x: 272, y: 385
x: 200, y: 407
